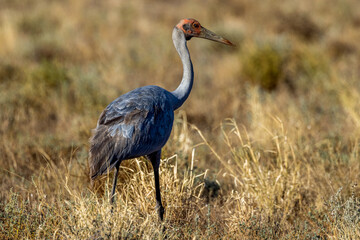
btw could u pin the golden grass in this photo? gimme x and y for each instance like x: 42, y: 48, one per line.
x: 244, y: 161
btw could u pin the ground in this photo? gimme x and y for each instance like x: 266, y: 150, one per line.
x: 266, y: 146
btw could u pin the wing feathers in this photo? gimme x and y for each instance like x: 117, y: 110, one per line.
x: 111, y: 139
x: 135, y: 124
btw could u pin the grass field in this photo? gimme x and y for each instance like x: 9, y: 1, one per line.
x: 266, y: 147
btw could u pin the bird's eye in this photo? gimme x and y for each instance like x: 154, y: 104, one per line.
x: 196, y: 25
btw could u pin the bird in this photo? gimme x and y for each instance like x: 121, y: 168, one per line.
x: 139, y: 123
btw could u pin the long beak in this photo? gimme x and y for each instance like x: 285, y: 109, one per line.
x: 207, y: 34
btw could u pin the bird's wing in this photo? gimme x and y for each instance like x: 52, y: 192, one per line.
x: 129, y: 127
x: 122, y: 109
x: 116, y: 131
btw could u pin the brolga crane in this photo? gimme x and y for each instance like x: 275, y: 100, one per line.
x: 139, y: 122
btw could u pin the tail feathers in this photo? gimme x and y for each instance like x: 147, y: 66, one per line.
x: 102, y: 156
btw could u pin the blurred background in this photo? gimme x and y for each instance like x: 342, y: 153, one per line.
x: 294, y: 73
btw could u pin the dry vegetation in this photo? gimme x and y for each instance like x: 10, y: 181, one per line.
x: 267, y: 146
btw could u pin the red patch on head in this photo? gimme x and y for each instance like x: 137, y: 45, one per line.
x: 193, y: 27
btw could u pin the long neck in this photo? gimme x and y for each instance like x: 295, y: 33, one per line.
x: 183, y: 90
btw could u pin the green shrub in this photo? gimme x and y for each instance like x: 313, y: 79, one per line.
x: 264, y: 65
x: 50, y: 74
x: 48, y: 80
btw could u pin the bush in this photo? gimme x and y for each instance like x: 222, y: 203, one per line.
x: 264, y: 65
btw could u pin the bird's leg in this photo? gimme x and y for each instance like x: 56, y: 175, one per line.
x: 117, y: 166
x: 155, y: 161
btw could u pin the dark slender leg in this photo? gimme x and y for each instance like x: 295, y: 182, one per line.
x: 155, y: 161
x: 114, y: 183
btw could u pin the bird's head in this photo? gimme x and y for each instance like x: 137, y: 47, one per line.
x: 192, y: 28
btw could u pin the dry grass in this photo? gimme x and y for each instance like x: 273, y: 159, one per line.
x: 266, y: 147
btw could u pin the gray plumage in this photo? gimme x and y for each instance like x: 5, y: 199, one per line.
x: 136, y: 124
x: 139, y: 122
